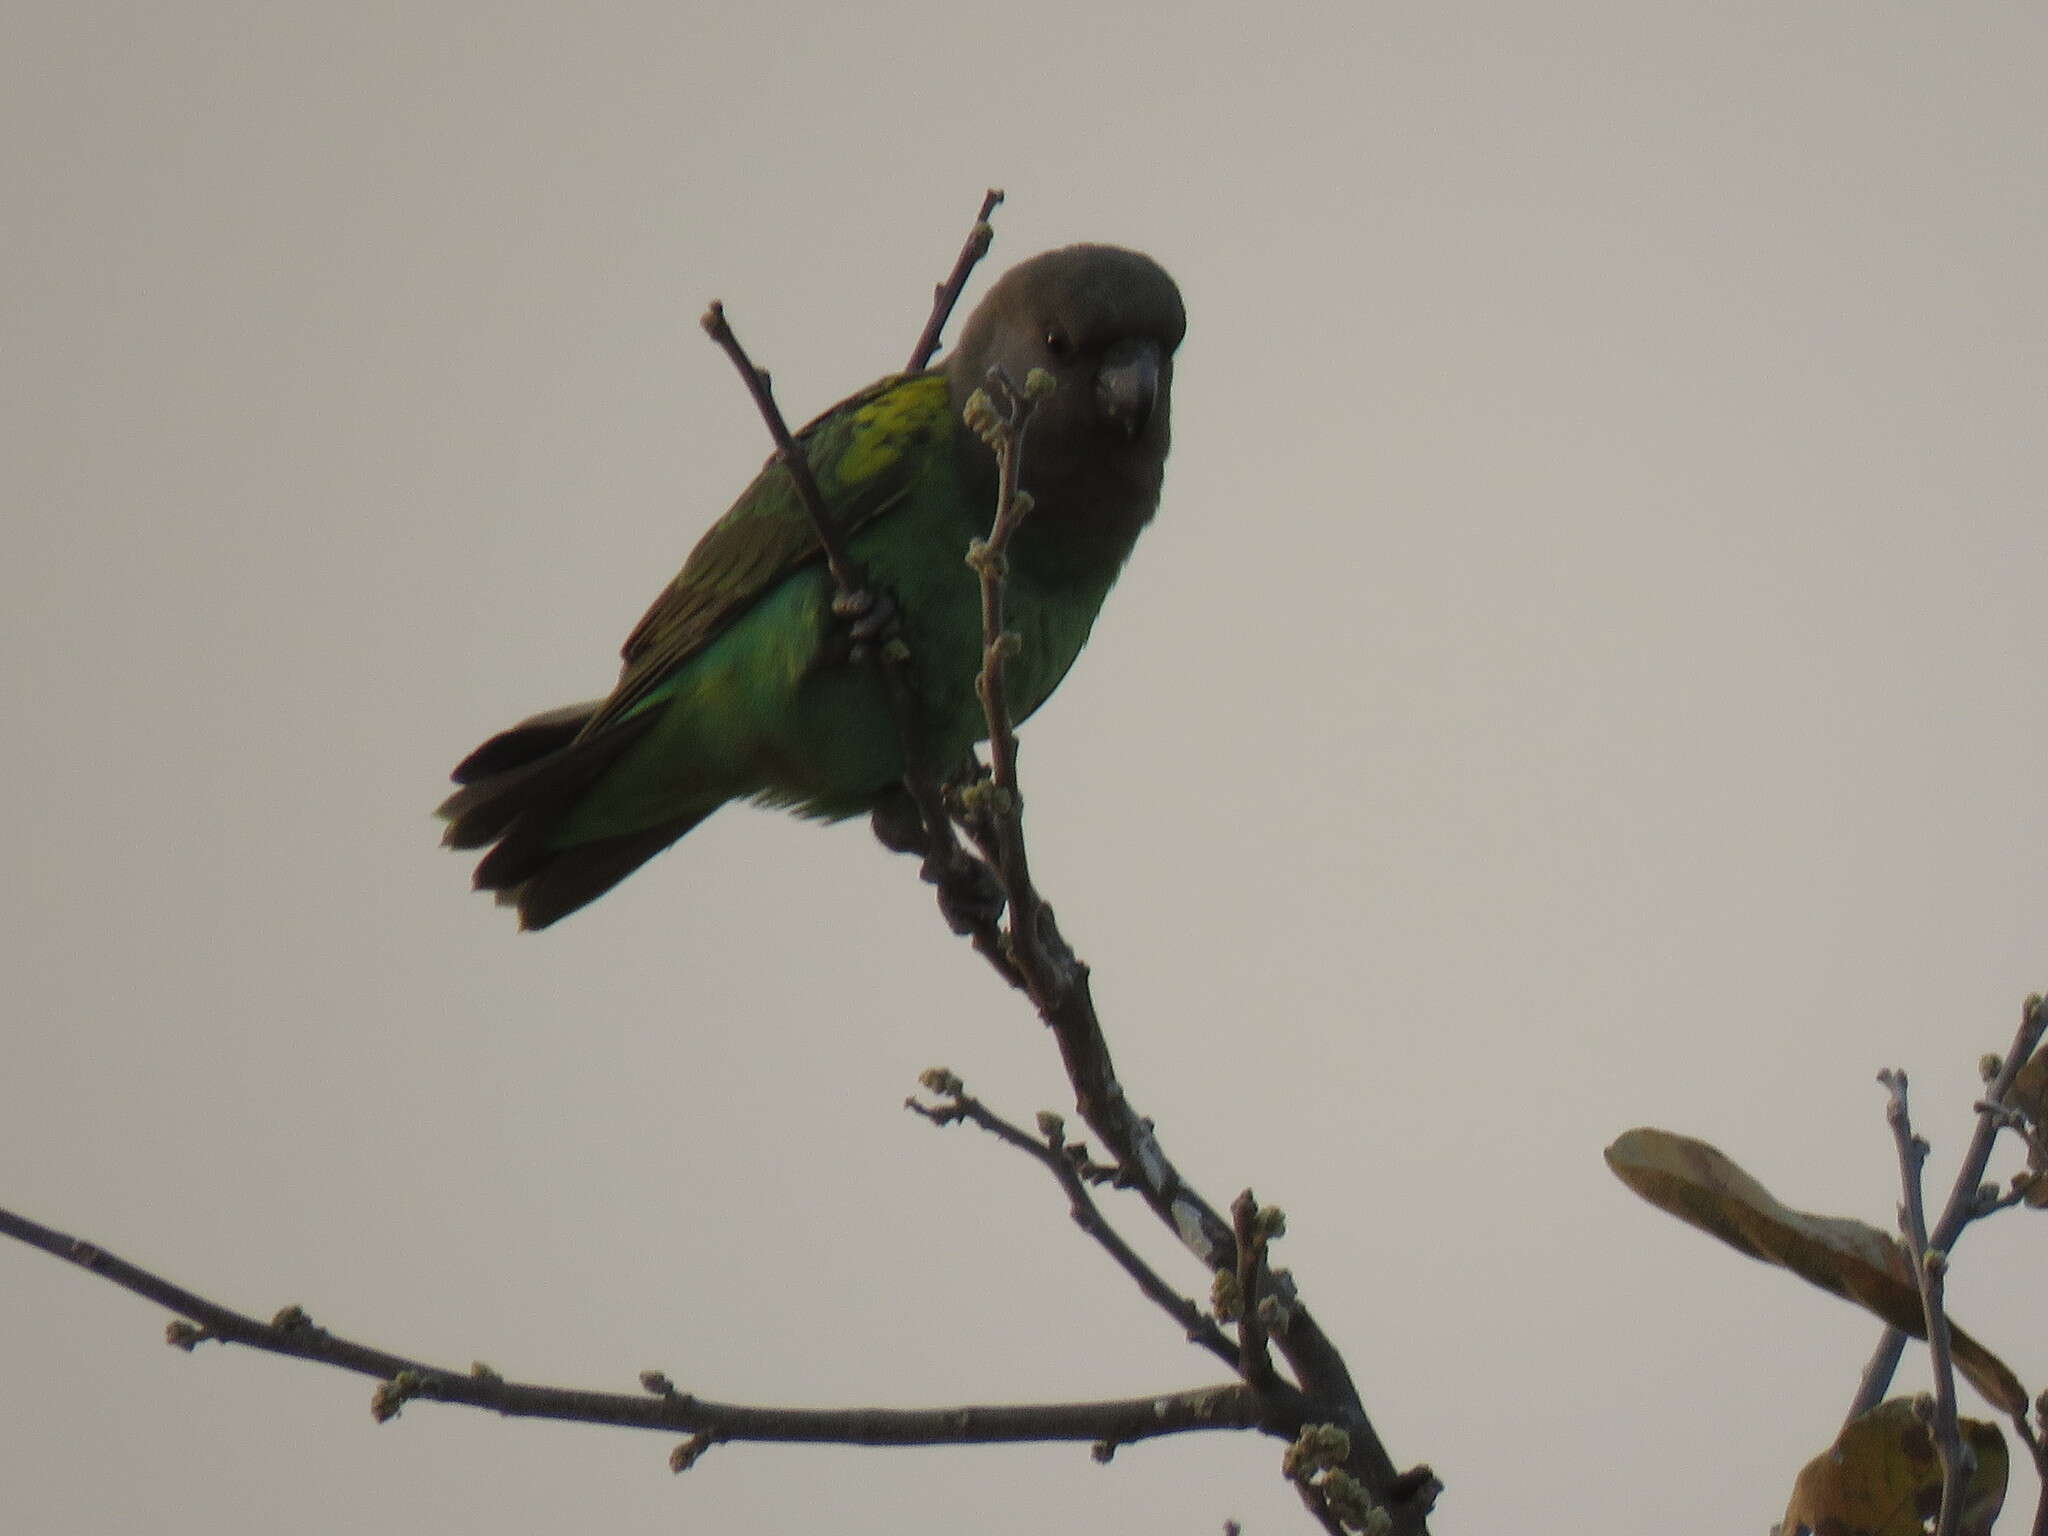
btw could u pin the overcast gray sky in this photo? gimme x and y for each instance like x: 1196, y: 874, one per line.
x: 1587, y: 671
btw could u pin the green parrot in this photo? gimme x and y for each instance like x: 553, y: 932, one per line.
x: 740, y: 683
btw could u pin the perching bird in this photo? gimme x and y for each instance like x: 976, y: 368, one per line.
x: 739, y: 682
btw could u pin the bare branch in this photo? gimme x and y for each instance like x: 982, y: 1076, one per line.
x: 1930, y: 1266
x: 1002, y: 415
x: 1255, y: 1365
x: 1964, y: 1204
x: 1056, y: 980
x: 947, y: 294
x: 1229, y: 1405
x: 1959, y: 1211
x: 1062, y: 1162
x: 845, y: 575
x: 1030, y: 954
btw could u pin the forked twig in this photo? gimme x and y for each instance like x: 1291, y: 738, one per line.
x: 1966, y: 1202
x: 1930, y: 1266
x: 1061, y: 1160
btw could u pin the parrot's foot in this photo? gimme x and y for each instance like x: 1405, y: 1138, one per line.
x: 868, y: 617
x: 898, y: 824
x: 970, y: 896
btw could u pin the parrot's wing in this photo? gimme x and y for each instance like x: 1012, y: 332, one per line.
x: 866, y: 452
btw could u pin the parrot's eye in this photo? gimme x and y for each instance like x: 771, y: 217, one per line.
x: 1056, y: 342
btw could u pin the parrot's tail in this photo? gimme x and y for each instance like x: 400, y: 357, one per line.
x: 517, y: 787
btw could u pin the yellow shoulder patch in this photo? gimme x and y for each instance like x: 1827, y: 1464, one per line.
x: 880, y: 430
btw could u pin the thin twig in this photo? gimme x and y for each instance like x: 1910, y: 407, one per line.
x: 1254, y: 1364
x: 1929, y: 1268
x: 845, y: 575
x: 1057, y: 1158
x: 1960, y: 1210
x: 1965, y: 1202
x: 947, y: 294
x: 1229, y: 1405
x: 1004, y: 419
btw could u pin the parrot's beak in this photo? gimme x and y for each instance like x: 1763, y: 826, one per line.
x: 1127, y: 385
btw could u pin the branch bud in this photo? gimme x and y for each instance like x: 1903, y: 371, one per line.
x: 1317, y: 1448
x: 984, y: 561
x: 981, y: 416
x: 941, y: 1081
x: 393, y: 1395
x: 686, y: 1455
x: 987, y: 798
x: 1226, y: 1296
x: 1052, y: 1127
x: 1352, y: 1505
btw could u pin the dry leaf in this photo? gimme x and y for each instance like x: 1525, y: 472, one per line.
x: 1881, y: 1478
x: 1852, y: 1259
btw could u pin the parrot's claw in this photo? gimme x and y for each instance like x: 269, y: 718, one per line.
x: 867, y: 616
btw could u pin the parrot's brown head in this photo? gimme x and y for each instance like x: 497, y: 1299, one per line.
x: 1104, y: 322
